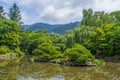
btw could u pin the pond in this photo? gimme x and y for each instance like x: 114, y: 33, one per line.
x: 24, y: 69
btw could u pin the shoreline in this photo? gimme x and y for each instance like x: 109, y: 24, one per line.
x: 66, y: 63
x: 110, y: 59
x: 8, y: 56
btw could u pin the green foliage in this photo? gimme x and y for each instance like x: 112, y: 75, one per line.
x: 81, y: 34
x: 37, y: 38
x: 31, y: 40
x: 98, y: 32
x: 9, y: 33
x: 115, y: 16
x: 2, y: 14
x: 99, y: 62
x: 46, y: 51
x: 18, y: 51
x: 69, y: 41
x: 25, y: 41
x: 62, y: 47
x: 107, y: 38
x: 55, y: 37
x: 78, y: 53
x: 4, y: 50
x: 14, y: 14
x: 113, y: 37
x: 87, y: 17
x: 99, y: 18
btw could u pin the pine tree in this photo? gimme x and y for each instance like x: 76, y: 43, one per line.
x: 14, y: 14
x: 2, y: 14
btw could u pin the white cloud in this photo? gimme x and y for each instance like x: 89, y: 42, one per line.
x: 107, y: 5
x: 60, y: 11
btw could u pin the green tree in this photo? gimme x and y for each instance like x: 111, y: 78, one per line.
x: 87, y: 17
x: 14, y: 14
x: 81, y: 34
x: 31, y: 40
x: 9, y: 33
x: 98, y: 18
x: 105, y: 40
x: 2, y: 14
x: 115, y: 16
x: 25, y: 40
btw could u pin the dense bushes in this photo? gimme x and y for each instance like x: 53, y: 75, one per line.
x: 9, y: 33
x: 101, y: 41
x: 78, y: 53
x: 31, y: 40
x: 18, y: 51
x: 9, y: 36
x: 47, y: 51
x: 105, y: 40
x: 6, y: 50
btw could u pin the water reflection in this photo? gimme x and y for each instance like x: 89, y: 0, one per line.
x: 27, y: 70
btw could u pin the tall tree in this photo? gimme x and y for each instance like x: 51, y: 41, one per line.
x: 87, y: 17
x: 2, y: 14
x: 14, y: 14
x: 9, y: 33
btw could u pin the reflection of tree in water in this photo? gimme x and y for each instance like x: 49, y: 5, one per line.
x: 92, y: 73
x: 8, y: 69
x: 38, y: 70
x: 48, y: 71
x: 12, y: 70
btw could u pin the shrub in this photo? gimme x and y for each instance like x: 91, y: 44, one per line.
x: 99, y: 62
x: 47, y: 51
x: 78, y: 53
x: 18, y: 51
x: 37, y: 52
x: 45, y: 57
x: 4, y: 50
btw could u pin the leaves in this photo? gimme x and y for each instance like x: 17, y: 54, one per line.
x: 9, y: 33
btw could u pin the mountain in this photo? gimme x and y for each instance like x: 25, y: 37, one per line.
x: 57, y: 28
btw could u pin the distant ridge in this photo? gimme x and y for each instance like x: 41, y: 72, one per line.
x: 57, y: 28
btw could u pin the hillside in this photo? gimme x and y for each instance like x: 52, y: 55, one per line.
x: 57, y: 28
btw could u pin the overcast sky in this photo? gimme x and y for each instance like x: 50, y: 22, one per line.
x: 58, y: 11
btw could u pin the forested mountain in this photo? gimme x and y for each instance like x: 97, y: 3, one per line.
x: 58, y: 28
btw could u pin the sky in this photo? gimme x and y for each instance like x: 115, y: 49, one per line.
x: 58, y: 11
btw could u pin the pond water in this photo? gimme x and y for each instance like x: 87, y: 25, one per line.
x: 24, y: 69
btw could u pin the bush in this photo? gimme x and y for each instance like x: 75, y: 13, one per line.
x: 45, y: 57
x: 47, y: 51
x: 78, y: 53
x: 37, y: 52
x: 4, y: 50
x: 18, y: 51
x: 99, y: 62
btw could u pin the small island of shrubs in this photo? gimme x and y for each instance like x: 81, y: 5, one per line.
x: 78, y: 55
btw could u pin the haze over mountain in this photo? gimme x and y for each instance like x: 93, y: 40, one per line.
x: 57, y: 28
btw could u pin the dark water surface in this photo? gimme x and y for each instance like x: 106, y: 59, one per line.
x: 24, y: 69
